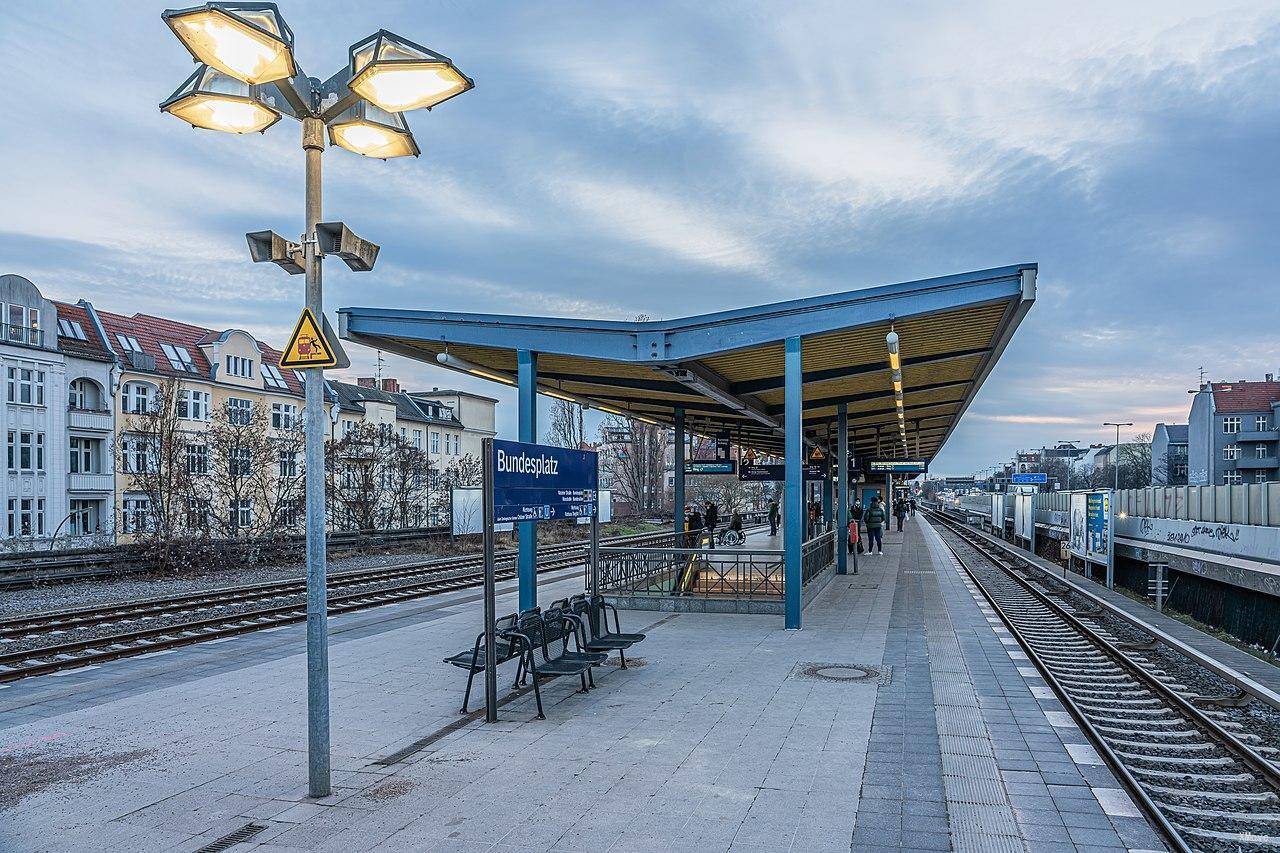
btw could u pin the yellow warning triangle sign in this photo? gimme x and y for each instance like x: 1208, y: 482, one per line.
x: 308, y: 346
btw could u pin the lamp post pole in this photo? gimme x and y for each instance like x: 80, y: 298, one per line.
x: 317, y: 594
x: 1115, y: 463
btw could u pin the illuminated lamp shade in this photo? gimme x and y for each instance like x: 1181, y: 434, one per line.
x: 249, y: 41
x: 373, y: 132
x: 398, y: 75
x: 215, y: 101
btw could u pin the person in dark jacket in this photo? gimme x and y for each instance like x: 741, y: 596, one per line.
x: 900, y: 512
x: 695, y: 526
x: 773, y: 518
x: 855, y: 514
x: 875, y: 518
x: 709, y: 520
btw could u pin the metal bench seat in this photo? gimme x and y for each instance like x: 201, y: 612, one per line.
x: 536, y: 631
x: 474, y: 658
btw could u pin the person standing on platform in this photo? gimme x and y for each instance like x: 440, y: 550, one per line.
x: 911, y: 505
x: 855, y: 515
x: 773, y: 518
x: 709, y: 519
x: 694, y: 526
x: 900, y: 512
x: 875, y: 518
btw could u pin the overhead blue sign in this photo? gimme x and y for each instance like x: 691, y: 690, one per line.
x: 1029, y: 479
x: 711, y: 466
x: 538, y: 482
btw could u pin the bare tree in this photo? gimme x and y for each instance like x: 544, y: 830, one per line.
x: 377, y: 480
x: 1134, y: 459
x: 634, y: 463
x: 568, y: 428
x: 153, y: 462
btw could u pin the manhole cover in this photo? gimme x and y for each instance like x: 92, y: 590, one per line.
x: 842, y: 673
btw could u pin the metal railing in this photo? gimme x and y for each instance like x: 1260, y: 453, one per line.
x: 1247, y: 503
x: 816, y: 555
x: 663, y: 572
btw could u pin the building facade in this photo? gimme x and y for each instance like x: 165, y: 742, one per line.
x: 1232, y: 435
x: 1169, y: 455
x: 476, y: 412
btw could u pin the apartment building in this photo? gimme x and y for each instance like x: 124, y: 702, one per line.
x: 210, y: 370
x: 427, y: 425
x: 1169, y: 455
x: 46, y: 388
x: 1232, y: 433
x: 476, y: 412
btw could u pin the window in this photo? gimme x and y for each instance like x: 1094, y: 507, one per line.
x: 284, y: 416
x: 128, y: 343
x: 197, y: 458
x: 288, y: 463
x: 348, y: 427
x: 26, y: 516
x: 1262, y: 450
x: 197, y: 513
x: 135, y: 517
x: 179, y: 358
x: 1230, y: 424
x: 26, y: 450
x: 435, y: 442
x: 240, y: 462
x: 239, y: 411
x: 457, y: 445
x: 290, y: 513
x: 71, y: 329
x: 135, y: 456
x: 136, y: 398
x: 240, y: 366
x: 84, y: 456
x: 22, y: 324
x: 241, y: 513
x: 85, y: 517
x: 26, y: 386
x: 417, y: 438
x: 1262, y: 423
x: 1231, y: 451
x: 84, y: 394
x: 272, y: 377
x: 193, y: 405
x: 1260, y: 476
x: 404, y: 434
x: 1231, y: 478
x: 1180, y: 470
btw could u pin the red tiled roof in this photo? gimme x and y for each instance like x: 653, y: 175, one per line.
x: 92, y: 346
x: 152, y: 331
x: 1245, y: 396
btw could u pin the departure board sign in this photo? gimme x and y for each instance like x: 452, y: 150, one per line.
x: 778, y: 473
x: 711, y: 466
x: 538, y: 482
x: 897, y: 466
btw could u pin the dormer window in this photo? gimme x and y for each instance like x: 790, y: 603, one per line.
x: 179, y: 357
x: 272, y: 377
x: 71, y: 329
x: 240, y: 366
x: 22, y: 324
x: 128, y: 343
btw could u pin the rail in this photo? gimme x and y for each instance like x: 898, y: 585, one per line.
x: 816, y: 555
x: 664, y: 572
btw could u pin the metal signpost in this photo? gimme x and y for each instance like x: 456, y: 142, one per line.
x: 531, y: 482
x: 1158, y: 583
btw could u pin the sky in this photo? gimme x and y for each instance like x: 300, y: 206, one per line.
x: 618, y: 159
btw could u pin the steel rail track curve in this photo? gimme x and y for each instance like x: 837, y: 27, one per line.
x: 1199, y: 775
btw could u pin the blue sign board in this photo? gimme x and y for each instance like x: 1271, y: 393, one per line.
x: 538, y: 482
x: 1029, y: 479
x: 777, y: 473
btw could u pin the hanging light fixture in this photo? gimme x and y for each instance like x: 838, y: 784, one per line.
x: 216, y: 101
x: 373, y: 132
x: 399, y: 75
x: 249, y: 41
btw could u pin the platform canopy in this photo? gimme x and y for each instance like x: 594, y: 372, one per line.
x: 726, y: 369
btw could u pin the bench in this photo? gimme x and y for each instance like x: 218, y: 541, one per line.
x: 473, y: 659
x: 536, y: 631
x: 592, y: 613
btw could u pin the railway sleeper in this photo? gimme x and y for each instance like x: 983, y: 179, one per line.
x: 1237, y: 838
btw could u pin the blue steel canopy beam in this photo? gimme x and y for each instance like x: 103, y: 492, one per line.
x: 813, y: 377
x: 827, y: 402
x: 673, y: 341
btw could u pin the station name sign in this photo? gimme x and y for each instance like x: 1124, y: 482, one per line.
x: 538, y: 482
x: 897, y: 466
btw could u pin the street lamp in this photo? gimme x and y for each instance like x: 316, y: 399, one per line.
x: 1116, y: 461
x: 247, y: 77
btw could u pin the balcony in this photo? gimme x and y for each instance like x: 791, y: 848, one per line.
x: 1254, y: 464
x: 91, y: 482
x: 23, y: 335
x: 1258, y: 435
x: 99, y: 419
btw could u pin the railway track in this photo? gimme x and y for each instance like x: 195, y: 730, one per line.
x: 33, y: 568
x: 134, y: 628
x: 1203, y: 768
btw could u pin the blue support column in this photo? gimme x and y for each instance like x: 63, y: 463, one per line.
x: 679, y: 471
x: 842, y: 489
x: 794, y: 517
x: 527, y: 416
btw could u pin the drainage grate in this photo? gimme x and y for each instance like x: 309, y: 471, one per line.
x: 843, y: 673
x: 244, y: 833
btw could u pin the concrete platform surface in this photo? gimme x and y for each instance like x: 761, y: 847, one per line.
x: 901, y: 717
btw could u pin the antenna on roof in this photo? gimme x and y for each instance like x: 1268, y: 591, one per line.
x: 1202, y: 376
x: 378, y: 364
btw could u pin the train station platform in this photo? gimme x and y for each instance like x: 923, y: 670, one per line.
x: 902, y: 717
